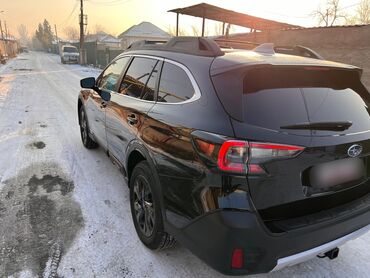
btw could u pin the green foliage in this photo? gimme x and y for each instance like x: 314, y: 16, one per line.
x: 44, y: 35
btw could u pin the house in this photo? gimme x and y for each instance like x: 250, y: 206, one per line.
x: 143, y: 31
x: 104, y: 39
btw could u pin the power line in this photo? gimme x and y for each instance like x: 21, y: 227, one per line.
x: 70, y: 15
x: 109, y: 3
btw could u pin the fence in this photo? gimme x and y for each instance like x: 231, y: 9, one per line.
x: 8, y: 48
x: 99, y: 54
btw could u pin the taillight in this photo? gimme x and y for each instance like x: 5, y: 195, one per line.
x: 244, y: 157
x: 232, y: 156
x: 237, y: 259
x: 267, y: 150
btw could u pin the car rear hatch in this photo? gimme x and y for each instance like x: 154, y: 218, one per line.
x: 308, y: 131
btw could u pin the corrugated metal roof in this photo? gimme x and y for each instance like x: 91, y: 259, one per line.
x: 144, y: 29
x: 208, y: 11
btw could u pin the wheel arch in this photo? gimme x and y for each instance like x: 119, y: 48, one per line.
x: 137, y: 152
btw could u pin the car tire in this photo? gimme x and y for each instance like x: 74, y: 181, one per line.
x: 146, y: 209
x: 87, y: 141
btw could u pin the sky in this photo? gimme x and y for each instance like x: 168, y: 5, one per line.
x: 118, y: 15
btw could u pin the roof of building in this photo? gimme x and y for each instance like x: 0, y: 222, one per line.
x: 208, y: 11
x: 144, y: 29
x: 102, y: 37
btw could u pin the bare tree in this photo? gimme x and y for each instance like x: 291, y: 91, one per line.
x: 363, y: 12
x: 195, y: 30
x: 219, y: 27
x: 329, y: 14
x: 99, y: 29
x: 172, y: 31
x: 71, y: 33
x: 24, y: 37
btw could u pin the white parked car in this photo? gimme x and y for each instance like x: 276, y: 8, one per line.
x: 69, y: 54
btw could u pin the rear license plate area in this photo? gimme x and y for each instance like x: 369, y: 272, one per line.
x: 335, y: 175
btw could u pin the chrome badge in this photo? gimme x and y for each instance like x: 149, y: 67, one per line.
x: 354, y: 150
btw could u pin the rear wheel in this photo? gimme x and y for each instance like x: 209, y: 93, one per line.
x: 145, y: 209
x: 88, y: 142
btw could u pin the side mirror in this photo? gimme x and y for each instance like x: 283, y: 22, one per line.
x: 88, y: 83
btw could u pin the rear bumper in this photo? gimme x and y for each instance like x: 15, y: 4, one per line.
x: 312, y: 253
x: 213, y: 238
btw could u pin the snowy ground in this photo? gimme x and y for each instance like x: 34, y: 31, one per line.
x: 64, y: 210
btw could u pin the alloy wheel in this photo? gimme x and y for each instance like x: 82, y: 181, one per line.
x: 143, y: 206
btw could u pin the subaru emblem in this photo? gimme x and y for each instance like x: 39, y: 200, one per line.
x: 354, y: 150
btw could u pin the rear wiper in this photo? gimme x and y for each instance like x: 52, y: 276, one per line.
x: 335, y: 126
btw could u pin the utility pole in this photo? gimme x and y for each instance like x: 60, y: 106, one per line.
x: 56, y: 33
x: 82, y: 33
x: 6, y: 39
x: 6, y: 30
x: 56, y: 36
x: 2, y: 32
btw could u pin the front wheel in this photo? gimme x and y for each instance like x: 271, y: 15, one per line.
x: 146, y: 209
x: 88, y: 142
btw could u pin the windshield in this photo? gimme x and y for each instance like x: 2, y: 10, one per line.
x: 70, y: 49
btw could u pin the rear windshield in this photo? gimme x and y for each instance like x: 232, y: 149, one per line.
x: 275, y: 97
x: 70, y: 49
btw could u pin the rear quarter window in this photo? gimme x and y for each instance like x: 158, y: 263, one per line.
x: 175, y: 85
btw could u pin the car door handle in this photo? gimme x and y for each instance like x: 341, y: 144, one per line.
x: 132, y: 119
x: 103, y: 104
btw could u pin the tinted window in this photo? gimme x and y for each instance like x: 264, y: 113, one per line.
x: 276, y: 97
x: 175, y: 85
x: 70, y: 49
x: 148, y: 93
x: 112, y: 73
x: 137, y: 77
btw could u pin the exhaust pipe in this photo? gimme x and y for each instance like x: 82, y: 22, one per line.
x: 332, y: 254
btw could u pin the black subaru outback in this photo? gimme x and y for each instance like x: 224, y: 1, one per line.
x: 254, y: 160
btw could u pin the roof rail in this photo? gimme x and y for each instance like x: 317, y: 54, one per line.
x: 141, y: 43
x: 298, y: 50
x: 199, y: 46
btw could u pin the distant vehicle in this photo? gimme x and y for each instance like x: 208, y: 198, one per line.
x: 254, y: 160
x: 69, y: 54
x: 23, y: 49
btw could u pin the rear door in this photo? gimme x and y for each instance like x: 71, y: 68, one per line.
x: 323, y: 110
x: 127, y: 109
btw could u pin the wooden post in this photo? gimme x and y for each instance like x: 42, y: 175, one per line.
x: 177, y: 24
x: 203, y: 25
x: 223, y: 28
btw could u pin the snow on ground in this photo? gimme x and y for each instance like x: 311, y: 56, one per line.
x: 64, y: 210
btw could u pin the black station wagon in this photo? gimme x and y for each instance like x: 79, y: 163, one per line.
x: 254, y: 160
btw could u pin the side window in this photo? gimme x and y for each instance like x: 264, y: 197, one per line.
x: 148, y: 93
x: 175, y: 85
x: 108, y: 80
x: 137, y: 77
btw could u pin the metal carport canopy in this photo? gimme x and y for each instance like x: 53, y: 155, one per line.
x: 207, y: 11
